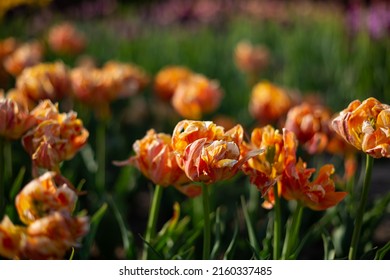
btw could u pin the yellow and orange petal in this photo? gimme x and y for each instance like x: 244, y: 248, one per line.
x: 45, y: 81
x: 269, y: 103
x: 196, y: 96
x: 65, y: 38
x: 279, y: 154
x: 11, y: 238
x: 7, y: 46
x: 43, y: 196
x: 366, y: 125
x: 319, y: 194
x: 26, y: 55
x: 251, y: 58
x: 168, y: 79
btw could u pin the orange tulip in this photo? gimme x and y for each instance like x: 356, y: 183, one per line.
x: 366, y: 125
x: 319, y: 194
x: 265, y: 169
x: 15, y: 119
x: 45, y: 81
x: 310, y: 123
x: 7, y: 46
x: 196, y: 96
x: 155, y: 158
x: 251, y: 58
x: 42, y: 196
x: 168, y: 79
x: 11, y: 237
x: 55, y: 139
x: 268, y: 102
x: 206, y: 153
x: 52, y: 236
x: 64, y: 38
x: 27, y: 55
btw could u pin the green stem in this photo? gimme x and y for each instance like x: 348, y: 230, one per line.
x: 206, y: 217
x: 101, y: 156
x: 293, y: 231
x: 152, y: 220
x: 277, y: 224
x: 360, y: 211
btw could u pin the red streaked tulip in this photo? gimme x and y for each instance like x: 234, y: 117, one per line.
x: 11, y: 237
x: 318, y: 194
x: 64, y: 38
x: 168, y: 79
x: 26, y: 55
x: 251, y: 58
x: 42, y: 196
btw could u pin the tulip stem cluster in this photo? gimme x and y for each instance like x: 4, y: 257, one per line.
x: 361, y: 208
x: 206, y: 217
x: 152, y: 220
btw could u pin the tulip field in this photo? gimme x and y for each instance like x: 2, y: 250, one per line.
x: 186, y: 130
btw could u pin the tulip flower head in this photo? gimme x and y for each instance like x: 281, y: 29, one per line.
x: 42, y: 196
x: 268, y: 102
x: 168, y: 79
x: 45, y: 81
x: 26, y: 55
x: 64, y: 38
x: 196, y: 96
x: 206, y: 152
x: 251, y: 58
x: 15, y: 119
x: 366, y: 126
x: 266, y: 168
x: 55, y: 139
x: 11, y: 237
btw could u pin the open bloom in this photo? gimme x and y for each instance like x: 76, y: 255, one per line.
x: 55, y: 139
x: 53, y: 235
x: 15, y: 119
x: 366, y: 125
x: 167, y: 80
x: 310, y: 123
x: 196, y: 96
x: 206, y: 152
x: 155, y: 158
x: 45, y: 81
x: 26, y: 55
x: 268, y: 102
x: 64, y: 38
x: 266, y: 168
x: 318, y: 194
x: 42, y: 196
x: 11, y: 236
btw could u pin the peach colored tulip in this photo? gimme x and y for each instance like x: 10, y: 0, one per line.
x: 11, y: 237
x: 15, y: 120
x: 26, y: 55
x: 366, y: 125
x: 251, y: 58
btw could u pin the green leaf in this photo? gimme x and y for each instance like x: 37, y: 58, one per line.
x: 95, y: 221
x: 218, y: 228
x: 251, y: 232
x: 329, y: 249
x: 17, y: 184
x: 381, y: 253
x: 127, y: 236
x: 232, y: 245
x: 88, y: 156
